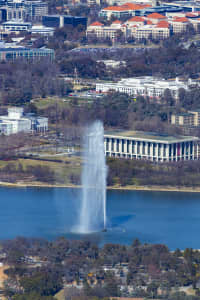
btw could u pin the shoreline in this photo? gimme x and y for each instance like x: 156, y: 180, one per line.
x: 120, y: 188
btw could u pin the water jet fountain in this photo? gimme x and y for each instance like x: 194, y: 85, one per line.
x: 93, y: 202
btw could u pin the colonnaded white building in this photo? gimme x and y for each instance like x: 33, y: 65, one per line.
x: 16, y: 121
x: 150, y: 146
x: 146, y: 86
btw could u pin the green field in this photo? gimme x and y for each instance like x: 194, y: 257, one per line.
x: 63, y: 170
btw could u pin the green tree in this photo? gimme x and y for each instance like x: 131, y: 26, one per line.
x: 152, y: 289
x: 43, y: 283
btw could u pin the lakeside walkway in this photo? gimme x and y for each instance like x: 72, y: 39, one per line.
x: 158, y: 188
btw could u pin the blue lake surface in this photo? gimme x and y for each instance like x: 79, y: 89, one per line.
x: 172, y: 218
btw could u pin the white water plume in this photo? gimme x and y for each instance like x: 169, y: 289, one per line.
x: 93, y: 202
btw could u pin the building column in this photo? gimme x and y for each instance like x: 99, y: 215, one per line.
x: 125, y: 147
x: 151, y: 151
x: 176, y: 145
x: 129, y: 143
x: 167, y: 152
x: 189, y: 147
x: 109, y: 144
x: 133, y: 145
x: 162, y: 152
x: 184, y: 150
x: 120, y: 147
x: 157, y: 148
x: 115, y: 146
x: 193, y: 149
x: 136, y: 147
x: 141, y: 148
x: 105, y: 142
x: 146, y: 149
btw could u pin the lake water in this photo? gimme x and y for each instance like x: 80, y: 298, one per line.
x: 172, y: 218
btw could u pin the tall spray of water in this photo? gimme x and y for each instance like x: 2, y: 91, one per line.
x: 93, y: 203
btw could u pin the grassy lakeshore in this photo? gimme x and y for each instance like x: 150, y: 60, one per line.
x: 116, y: 187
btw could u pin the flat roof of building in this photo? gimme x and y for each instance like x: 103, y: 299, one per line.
x: 24, y: 49
x: 183, y: 114
x: 65, y: 16
x: 149, y: 136
x: 195, y: 110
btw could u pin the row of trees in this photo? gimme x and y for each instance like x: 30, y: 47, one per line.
x: 11, y: 172
x: 149, y: 267
x: 21, y: 81
x: 121, y: 111
x: 126, y: 172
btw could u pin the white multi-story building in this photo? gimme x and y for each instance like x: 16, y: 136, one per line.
x: 100, y: 31
x: 187, y: 119
x: 125, y: 10
x: 150, y: 146
x: 159, y: 31
x: 179, y: 24
x: 42, y: 30
x: 144, y: 86
x: 16, y: 121
x: 16, y: 26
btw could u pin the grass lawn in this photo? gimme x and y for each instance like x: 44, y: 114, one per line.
x: 62, y: 170
x: 42, y: 103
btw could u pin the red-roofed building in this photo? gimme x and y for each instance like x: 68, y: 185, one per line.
x: 94, y: 24
x: 196, y: 24
x: 135, y: 6
x: 191, y: 15
x: 127, y: 9
x: 180, y: 19
x: 149, y: 22
x: 135, y: 21
x: 59, y: 8
x: 115, y: 8
x: 163, y: 24
x: 179, y: 24
x: 161, y: 30
x: 152, y: 31
x: 144, y: 32
x: 155, y: 18
x: 117, y: 11
x: 100, y: 31
x: 116, y: 24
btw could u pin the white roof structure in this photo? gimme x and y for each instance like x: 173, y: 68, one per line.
x: 146, y: 86
x: 16, y: 121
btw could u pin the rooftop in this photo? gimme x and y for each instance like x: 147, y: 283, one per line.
x: 136, y: 19
x: 65, y: 16
x: 183, y: 114
x: 191, y: 15
x: 150, y: 136
x: 135, y: 6
x: 17, y: 22
x: 117, y: 22
x: 24, y: 49
x: 96, y: 24
x: 180, y: 19
x: 163, y: 24
x: 127, y: 6
x: 156, y: 16
x: 115, y: 8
